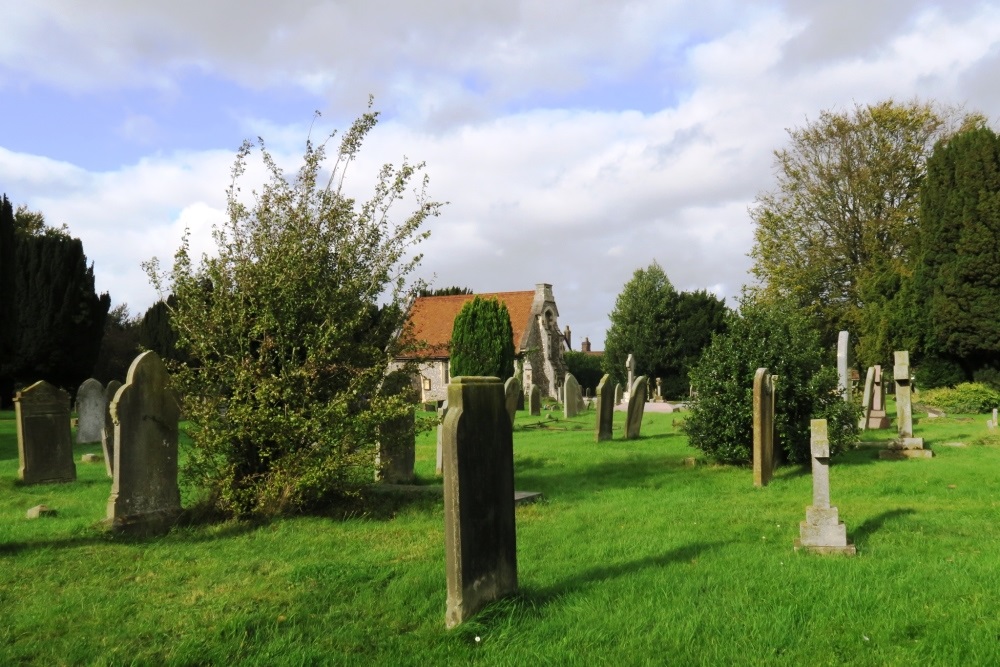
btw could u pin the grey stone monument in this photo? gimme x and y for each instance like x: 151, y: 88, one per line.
x: 877, y: 417
x: 145, y: 410
x: 90, y: 411
x: 605, y: 408
x: 571, y: 392
x: 511, y: 392
x: 658, y: 396
x: 866, y: 399
x: 630, y: 370
x: 480, y: 539
x: 108, y: 432
x: 763, y: 426
x: 636, y: 408
x: 535, y: 401
x: 397, y: 448
x: 844, y: 364
x: 905, y: 446
x: 44, y: 438
x: 619, y: 394
x: 822, y: 531
x: 442, y: 412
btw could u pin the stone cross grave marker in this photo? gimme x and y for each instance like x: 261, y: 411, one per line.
x: 605, y: 408
x: 90, y: 411
x: 877, y: 417
x: 571, y: 394
x: 636, y: 408
x: 905, y: 446
x: 535, y: 401
x: 763, y: 426
x: 44, y: 439
x: 108, y: 431
x: 480, y: 535
x: 145, y: 410
x: 659, y: 390
x: 822, y: 531
x: 866, y: 398
x: 844, y: 364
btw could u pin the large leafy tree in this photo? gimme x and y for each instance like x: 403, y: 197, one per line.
x: 482, y: 340
x: 119, y: 345
x: 958, y: 279
x: 837, y: 235
x: 291, y: 324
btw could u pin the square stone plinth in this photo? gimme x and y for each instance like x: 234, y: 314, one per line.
x: 848, y: 550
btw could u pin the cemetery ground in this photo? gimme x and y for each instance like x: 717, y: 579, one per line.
x: 633, y: 557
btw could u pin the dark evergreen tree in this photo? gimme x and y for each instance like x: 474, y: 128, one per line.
x: 8, y: 302
x: 444, y: 291
x: 699, y: 315
x: 119, y: 345
x: 586, y: 368
x: 155, y: 331
x: 482, y: 340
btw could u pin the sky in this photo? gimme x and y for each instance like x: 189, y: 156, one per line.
x: 575, y: 142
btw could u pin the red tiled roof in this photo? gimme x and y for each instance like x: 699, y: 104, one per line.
x: 432, y: 318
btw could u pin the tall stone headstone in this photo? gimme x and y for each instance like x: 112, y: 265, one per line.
x: 763, y: 426
x: 822, y: 531
x: 606, y: 401
x: 511, y: 392
x: 442, y: 412
x: 866, y: 398
x: 844, y: 364
x: 44, y: 438
x: 658, y: 396
x: 877, y: 417
x: 108, y: 432
x: 571, y: 394
x: 90, y: 408
x: 145, y: 410
x: 636, y: 407
x: 397, y: 448
x: 905, y: 446
x: 535, y: 401
x: 619, y: 394
x: 630, y: 372
x: 480, y: 539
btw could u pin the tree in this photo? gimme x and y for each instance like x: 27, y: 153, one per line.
x: 958, y: 277
x: 840, y: 227
x: 444, y: 291
x: 288, y: 395
x: 119, y: 345
x: 8, y: 301
x: 586, y: 368
x: 782, y: 339
x: 699, y: 315
x: 482, y: 340
x: 156, y: 332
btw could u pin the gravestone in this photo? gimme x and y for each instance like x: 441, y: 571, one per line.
x: 145, y: 410
x: 822, y: 531
x: 866, y: 399
x: 480, y: 536
x: 535, y: 401
x: 844, y: 364
x: 108, y: 432
x: 571, y: 392
x: 630, y: 371
x: 397, y: 446
x: 636, y: 408
x: 905, y: 446
x: 511, y: 392
x: 90, y: 408
x: 44, y: 438
x: 763, y: 426
x: 658, y: 396
x: 618, y: 394
x: 992, y: 424
x: 442, y: 412
x: 877, y: 417
x: 606, y: 400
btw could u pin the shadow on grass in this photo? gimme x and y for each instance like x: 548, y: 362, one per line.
x: 605, y: 475
x: 861, y: 534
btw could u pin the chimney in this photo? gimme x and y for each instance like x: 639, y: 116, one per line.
x: 585, y: 345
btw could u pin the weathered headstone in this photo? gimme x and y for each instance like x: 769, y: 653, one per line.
x: 108, y: 432
x: 992, y: 424
x: 397, y: 448
x: 763, y: 426
x: 511, y: 392
x: 630, y: 371
x: 39, y: 511
x: 658, y: 396
x: 442, y: 412
x: 44, y: 439
x: 866, y: 399
x: 145, y: 410
x: 636, y: 408
x: 822, y: 531
x: 571, y: 391
x: 606, y: 400
x: 480, y: 539
x: 905, y: 446
x: 877, y: 417
x: 619, y: 394
x: 844, y: 364
x: 90, y: 411
x: 535, y: 401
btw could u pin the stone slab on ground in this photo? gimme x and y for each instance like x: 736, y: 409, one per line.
x: 849, y: 550
x: 902, y: 454
x: 525, y: 497
x: 39, y: 511
x: 91, y: 458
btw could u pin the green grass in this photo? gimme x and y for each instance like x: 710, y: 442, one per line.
x: 633, y: 558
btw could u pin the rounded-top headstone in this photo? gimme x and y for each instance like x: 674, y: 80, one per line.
x: 90, y: 411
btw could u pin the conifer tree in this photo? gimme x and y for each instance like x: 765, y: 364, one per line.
x: 482, y: 340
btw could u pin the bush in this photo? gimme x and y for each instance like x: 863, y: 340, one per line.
x: 988, y: 376
x: 482, y: 340
x: 586, y: 368
x: 934, y: 372
x: 785, y: 342
x: 966, y: 398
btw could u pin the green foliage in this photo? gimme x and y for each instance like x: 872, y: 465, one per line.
x: 586, y: 368
x: 838, y: 234
x: 482, y: 340
x: 781, y: 339
x: 156, y: 332
x: 444, y: 291
x: 119, y: 345
x: 287, y: 395
x: 934, y: 371
x: 966, y: 398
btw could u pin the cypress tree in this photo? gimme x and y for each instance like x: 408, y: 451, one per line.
x: 8, y: 311
x: 482, y: 340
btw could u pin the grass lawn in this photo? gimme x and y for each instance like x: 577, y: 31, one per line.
x: 632, y: 558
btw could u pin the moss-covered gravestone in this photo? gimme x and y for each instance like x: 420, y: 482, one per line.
x: 571, y: 397
x: 606, y: 399
x: 535, y: 401
x: 512, y: 392
x: 108, y: 432
x: 480, y: 544
x: 145, y: 410
x: 763, y: 426
x: 636, y: 407
x: 90, y: 408
x: 44, y: 440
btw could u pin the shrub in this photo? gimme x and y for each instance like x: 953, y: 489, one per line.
x: 966, y: 398
x: 482, y: 340
x: 785, y: 342
x: 934, y: 372
x: 586, y: 368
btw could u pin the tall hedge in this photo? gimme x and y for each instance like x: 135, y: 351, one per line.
x: 482, y: 340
